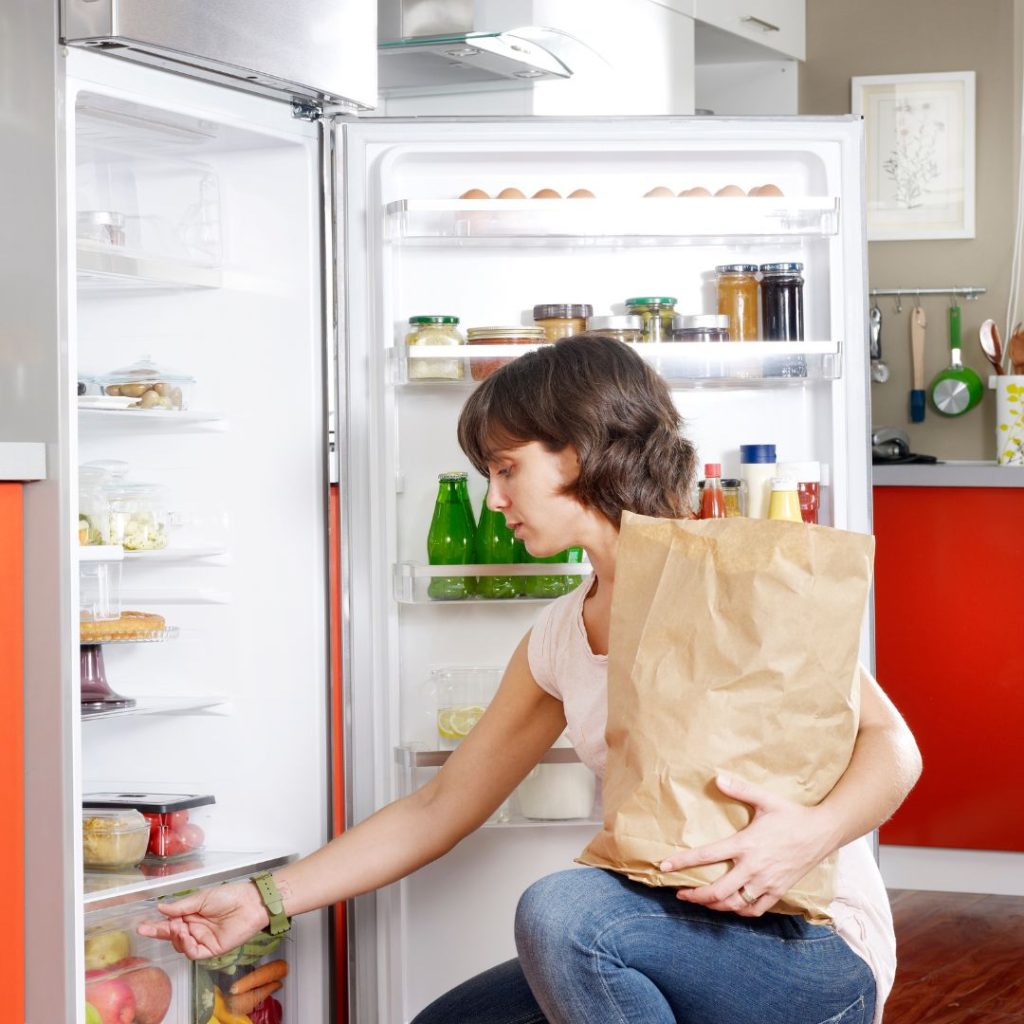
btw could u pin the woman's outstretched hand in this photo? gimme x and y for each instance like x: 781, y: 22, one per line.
x: 783, y: 841
x: 210, y: 922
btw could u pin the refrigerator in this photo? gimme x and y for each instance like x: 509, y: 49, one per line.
x: 274, y: 252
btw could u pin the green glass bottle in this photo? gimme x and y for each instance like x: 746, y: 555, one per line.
x: 450, y: 539
x: 575, y: 556
x: 467, y: 504
x: 542, y: 586
x: 494, y: 545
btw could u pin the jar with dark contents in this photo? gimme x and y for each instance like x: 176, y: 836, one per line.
x: 782, y: 313
x: 700, y: 327
x: 656, y: 312
x: 562, y: 320
x: 481, y: 369
x: 737, y: 299
x: 622, y: 328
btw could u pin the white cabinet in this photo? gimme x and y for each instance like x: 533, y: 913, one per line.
x: 749, y: 29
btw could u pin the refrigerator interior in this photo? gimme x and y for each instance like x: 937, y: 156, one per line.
x: 216, y: 275
x: 415, y: 248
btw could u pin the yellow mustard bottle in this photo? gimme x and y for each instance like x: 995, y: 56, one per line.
x: 785, y: 501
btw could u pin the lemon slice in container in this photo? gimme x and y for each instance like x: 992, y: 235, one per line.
x: 454, y: 723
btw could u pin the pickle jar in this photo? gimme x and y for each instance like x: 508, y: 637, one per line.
x: 562, y: 321
x: 433, y: 330
x: 656, y: 313
x: 622, y: 328
x: 737, y: 299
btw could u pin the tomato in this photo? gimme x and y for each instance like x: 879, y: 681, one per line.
x: 192, y: 836
x: 177, y: 820
x: 172, y: 844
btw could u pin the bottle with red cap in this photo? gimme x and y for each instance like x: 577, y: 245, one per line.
x: 712, y: 500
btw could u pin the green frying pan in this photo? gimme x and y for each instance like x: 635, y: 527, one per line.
x: 957, y: 389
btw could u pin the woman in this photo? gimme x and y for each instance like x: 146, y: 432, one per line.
x: 569, y: 436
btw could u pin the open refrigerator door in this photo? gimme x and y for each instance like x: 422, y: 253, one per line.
x: 418, y: 246
x: 198, y: 487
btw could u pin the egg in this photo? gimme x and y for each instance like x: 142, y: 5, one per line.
x: 581, y: 193
x: 697, y: 190
x: 546, y: 193
x: 768, y: 190
x: 730, y: 190
x: 475, y: 193
x: 660, y: 193
x: 511, y: 193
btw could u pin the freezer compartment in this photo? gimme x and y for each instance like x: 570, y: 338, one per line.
x: 697, y: 364
x: 251, y: 983
x: 129, y: 977
x: 553, y: 221
x: 548, y: 796
x: 416, y: 583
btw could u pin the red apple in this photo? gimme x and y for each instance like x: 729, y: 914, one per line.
x: 112, y: 997
x: 150, y: 987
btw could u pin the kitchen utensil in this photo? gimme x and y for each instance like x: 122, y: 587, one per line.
x: 879, y: 371
x: 918, y: 323
x: 1016, y: 349
x: 957, y: 389
x: 991, y: 344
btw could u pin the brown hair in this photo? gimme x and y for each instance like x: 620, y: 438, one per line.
x: 598, y: 395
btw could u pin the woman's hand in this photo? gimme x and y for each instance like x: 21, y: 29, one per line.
x: 210, y: 922
x: 783, y: 841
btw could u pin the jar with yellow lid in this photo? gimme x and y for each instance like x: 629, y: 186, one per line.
x: 656, y: 312
x: 482, y: 368
x: 433, y: 330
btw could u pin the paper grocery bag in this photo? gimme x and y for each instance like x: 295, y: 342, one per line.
x: 733, y: 648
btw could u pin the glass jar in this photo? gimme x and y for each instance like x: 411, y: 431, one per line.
x: 700, y: 327
x: 622, y: 328
x: 734, y: 491
x: 139, y: 516
x: 657, y: 313
x: 737, y: 299
x: 149, y: 386
x: 782, y: 301
x: 481, y: 369
x: 562, y: 321
x: 433, y: 330
x: 93, y: 510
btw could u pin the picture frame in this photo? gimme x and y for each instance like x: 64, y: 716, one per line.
x: 919, y: 154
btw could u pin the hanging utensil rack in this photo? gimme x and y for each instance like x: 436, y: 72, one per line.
x: 968, y: 292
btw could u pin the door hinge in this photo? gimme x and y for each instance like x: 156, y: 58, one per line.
x: 306, y: 110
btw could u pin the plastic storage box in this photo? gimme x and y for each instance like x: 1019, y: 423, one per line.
x: 177, y: 822
x: 113, y: 839
x: 148, y: 386
x: 254, y: 981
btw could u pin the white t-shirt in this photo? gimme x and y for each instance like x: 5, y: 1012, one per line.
x: 563, y: 665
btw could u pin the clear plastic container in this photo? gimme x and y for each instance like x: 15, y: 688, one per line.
x: 139, y: 516
x: 93, y: 509
x: 149, y: 386
x: 99, y: 590
x: 557, y: 792
x: 657, y: 313
x: 562, y: 321
x: 623, y: 328
x: 481, y: 369
x: 227, y: 987
x: 101, y: 228
x: 177, y: 821
x: 433, y: 330
x: 462, y: 695
x: 113, y: 839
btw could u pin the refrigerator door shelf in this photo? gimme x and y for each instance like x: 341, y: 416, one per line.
x: 149, y: 421
x: 159, y: 704
x: 683, y: 364
x: 105, y: 270
x: 412, y: 580
x: 612, y: 222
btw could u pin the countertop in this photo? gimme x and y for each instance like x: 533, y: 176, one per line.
x: 948, y: 474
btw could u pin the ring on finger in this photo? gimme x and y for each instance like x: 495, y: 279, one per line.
x: 747, y: 897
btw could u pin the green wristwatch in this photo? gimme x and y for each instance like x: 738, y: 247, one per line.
x: 280, y: 922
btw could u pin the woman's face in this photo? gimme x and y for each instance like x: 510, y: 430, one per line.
x: 526, y: 485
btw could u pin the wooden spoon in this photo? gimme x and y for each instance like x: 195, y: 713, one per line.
x: 1016, y: 349
x: 988, y: 338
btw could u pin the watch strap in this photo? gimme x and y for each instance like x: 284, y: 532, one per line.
x: 280, y: 922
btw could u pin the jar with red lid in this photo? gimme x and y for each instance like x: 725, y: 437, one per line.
x: 482, y: 368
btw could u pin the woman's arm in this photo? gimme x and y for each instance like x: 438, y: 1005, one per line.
x: 785, y: 839
x: 520, y: 724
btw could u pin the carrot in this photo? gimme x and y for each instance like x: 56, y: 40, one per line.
x: 276, y: 970
x: 244, y: 1003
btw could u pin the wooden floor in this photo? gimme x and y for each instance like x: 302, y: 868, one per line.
x: 960, y: 959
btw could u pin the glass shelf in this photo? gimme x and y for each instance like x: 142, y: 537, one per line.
x: 177, y: 554
x: 158, y: 637
x: 683, y: 364
x: 104, y: 269
x: 161, y: 705
x: 412, y: 580
x: 150, y: 420
x: 148, y: 881
x: 607, y: 222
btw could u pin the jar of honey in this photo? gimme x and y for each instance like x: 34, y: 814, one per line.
x: 737, y: 299
x: 562, y: 320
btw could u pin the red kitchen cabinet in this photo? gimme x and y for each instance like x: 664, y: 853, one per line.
x: 949, y: 640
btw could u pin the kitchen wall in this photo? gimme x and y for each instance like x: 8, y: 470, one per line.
x: 875, y: 37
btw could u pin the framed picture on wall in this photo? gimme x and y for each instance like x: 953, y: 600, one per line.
x: 919, y: 154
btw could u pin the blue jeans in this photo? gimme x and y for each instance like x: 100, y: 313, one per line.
x: 596, y: 948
